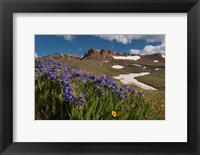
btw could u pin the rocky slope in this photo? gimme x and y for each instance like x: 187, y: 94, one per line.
x: 108, y: 55
x: 61, y: 56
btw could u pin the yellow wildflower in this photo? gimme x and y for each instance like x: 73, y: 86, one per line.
x: 145, y: 101
x: 114, y: 113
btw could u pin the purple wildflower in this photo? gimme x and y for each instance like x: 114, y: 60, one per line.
x: 141, y: 93
x: 82, y: 95
x: 131, y: 90
x: 81, y: 104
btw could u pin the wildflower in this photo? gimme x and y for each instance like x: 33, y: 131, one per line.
x: 82, y: 95
x: 69, y: 96
x: 51, y: 74
x: 93, y: 77
x: 66, y: 86
x: 41, y: 69
x: 75, y: 99
x: 114, y: 113
x: 131, y: 90
x: 82, y: 103
x: 101, y: 80
x: 141, y: 93
x: 123, y: 97
x: 122, y: 89
x: 83, y: 75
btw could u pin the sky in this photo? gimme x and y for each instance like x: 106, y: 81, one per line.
x: 79, y: 44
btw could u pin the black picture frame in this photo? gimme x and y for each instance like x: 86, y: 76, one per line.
x: 8, y: 7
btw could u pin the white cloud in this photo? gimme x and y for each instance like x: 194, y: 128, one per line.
x: 149, y: 49
x: 135, y: 51
x: 153, y: 38
x: 67, y: 37
x: 36, y: 55
x: 125, y: 39
x: 119, y: 38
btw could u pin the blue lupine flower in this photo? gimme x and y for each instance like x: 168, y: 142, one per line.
x: 100, y: 81
x: 75, y: 99
x: 66, y: 88
x: 93, y: 77
x: 122, y: 89
x: 41, y: 69
x: 82, y: 95
x: 69, y: 95
x: 131, y: 90
x: 65, y: 75
x: 81, y: 104
x: 52, y: 75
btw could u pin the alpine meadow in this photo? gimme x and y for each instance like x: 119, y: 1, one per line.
x: 100, y: 77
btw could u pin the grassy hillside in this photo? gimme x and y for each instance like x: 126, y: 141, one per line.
x: 85, y: 97
x: 155, y: 78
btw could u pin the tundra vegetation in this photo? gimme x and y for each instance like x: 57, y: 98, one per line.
x: 86, y: 90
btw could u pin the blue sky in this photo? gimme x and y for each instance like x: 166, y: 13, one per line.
x: 79, y: 44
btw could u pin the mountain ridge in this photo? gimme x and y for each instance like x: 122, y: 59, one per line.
x: 105, y: 54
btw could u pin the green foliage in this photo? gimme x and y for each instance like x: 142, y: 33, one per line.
x: 155, y: 79
x: 100, y: 103
x: 50, y: 103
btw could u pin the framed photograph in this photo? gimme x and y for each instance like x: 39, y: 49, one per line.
x: 85, y: 83
x: 106, y: 77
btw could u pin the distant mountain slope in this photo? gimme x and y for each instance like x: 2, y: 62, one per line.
x: 105, y: 61
x: 105, y: 55
x: 61, y: 56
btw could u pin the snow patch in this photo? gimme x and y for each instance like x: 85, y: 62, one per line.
x: 117, y: 67
x: 156, y: 61
x: 163, y: 55
x: 137, y: 65
x: 157, y: 69
x: 129, y: 78
x: 144, y: 67
x: 106, y: 61
x: 127, y: 57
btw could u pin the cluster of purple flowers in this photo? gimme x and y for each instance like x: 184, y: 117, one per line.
x: 66, y: 74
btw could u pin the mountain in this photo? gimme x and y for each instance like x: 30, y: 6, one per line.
x: 113, y: 64
x: 156, y: 56
x: 109, y: 55
x: 61, y: 56
x: 106, y: 55
x: 102, y: 54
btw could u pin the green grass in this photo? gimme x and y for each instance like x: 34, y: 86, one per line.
x: 156, y: 101
x: 50, y: 103
x: 155, y: 79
